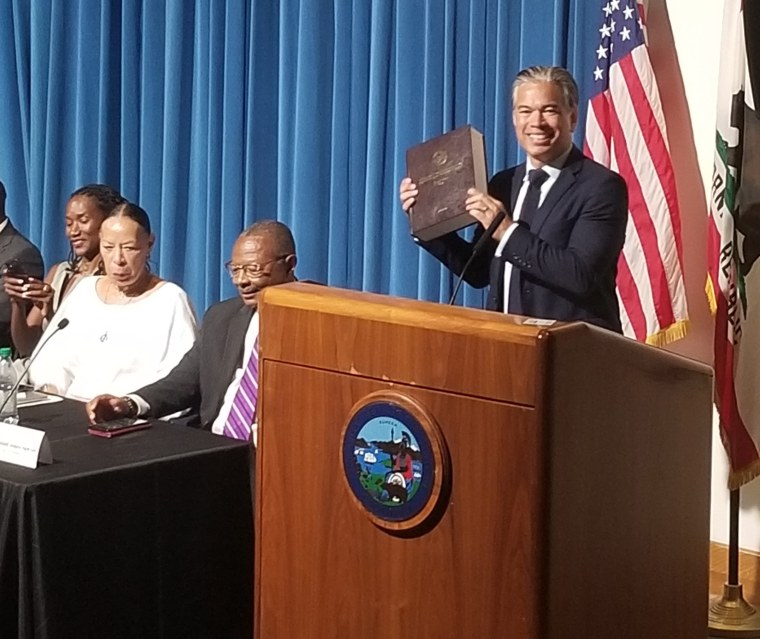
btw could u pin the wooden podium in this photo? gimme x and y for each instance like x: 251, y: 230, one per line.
x: 575, y: 496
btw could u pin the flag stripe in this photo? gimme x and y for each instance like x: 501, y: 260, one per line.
x: 640, y: 288
x: 742, y: 450
x: 651, y: 209
x: 597, y: 143
x: 631, y: 303
x: 653, y: 132
x: 642, y: 220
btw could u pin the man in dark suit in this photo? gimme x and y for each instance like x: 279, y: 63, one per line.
x: 19, y: 255
x: 554, y: 255
x: 209, y: 376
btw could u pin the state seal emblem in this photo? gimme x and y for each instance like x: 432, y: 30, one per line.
x: 394, y: 460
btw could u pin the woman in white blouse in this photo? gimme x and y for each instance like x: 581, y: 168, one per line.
x: 125, y: 329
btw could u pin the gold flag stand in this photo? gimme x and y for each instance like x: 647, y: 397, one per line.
x: 731, y: 615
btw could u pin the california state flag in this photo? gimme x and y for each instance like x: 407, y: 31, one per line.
x: 733, y: 285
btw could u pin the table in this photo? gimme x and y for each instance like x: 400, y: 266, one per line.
x: 149, y: 534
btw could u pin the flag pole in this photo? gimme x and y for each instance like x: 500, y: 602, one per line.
x: 730, y: 615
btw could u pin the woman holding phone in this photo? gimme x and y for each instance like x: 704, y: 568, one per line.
x: 85, y: 211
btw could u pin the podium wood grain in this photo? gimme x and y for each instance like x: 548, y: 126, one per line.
x: 391, y: 582
x: 579, y: 500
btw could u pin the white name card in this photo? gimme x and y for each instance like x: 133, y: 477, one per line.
x: 535, y: 321
x: 24, y: 446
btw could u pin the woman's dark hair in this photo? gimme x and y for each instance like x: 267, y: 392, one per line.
x: 106, y: 197
x: 133, y: 212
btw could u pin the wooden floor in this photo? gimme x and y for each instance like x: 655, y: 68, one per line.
x: 749, y: 574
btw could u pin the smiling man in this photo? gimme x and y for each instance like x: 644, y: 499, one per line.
x: 219, y: 375
x: 555, y: 253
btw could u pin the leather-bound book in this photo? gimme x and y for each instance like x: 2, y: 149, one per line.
x: 443, y: 169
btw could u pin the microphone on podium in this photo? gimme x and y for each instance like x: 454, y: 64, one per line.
x: 61, y: 325
x: 482, y: 241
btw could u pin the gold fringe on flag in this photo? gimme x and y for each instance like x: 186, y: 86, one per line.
x: 711, y: 299
x: 672, y: 333
x: 737, y: 478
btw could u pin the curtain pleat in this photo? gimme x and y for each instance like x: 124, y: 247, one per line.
x: 212, y: 114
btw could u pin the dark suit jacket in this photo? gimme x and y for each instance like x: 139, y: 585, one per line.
x: 13, y: 245
x: 203, y: 375
x: 565, y: 261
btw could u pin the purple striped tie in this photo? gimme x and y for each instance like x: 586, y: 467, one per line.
x: 240, y: 419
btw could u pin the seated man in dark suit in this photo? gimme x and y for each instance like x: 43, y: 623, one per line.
x: 219, y: 374
x: 555, y: 253
x: 18, y: 255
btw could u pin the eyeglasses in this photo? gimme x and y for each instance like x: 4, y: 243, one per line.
x: 252, y: 270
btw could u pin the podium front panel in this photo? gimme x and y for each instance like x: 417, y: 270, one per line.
x: 329, y: 571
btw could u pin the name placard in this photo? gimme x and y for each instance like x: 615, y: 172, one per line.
x: 24, y: 446
x: 536, y: 321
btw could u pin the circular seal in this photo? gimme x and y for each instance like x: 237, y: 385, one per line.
x: 394, y: 460
x: 440, y: 158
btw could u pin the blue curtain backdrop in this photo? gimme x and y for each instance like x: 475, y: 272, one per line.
x: 215, y: 113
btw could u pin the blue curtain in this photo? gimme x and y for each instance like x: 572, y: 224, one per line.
x: 214, y: 113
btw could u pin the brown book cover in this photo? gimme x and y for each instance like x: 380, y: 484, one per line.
x: 443, y: 168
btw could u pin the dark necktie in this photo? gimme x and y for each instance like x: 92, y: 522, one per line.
x: 536, y: 177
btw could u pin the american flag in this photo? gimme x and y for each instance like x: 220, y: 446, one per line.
x: 625, y: 131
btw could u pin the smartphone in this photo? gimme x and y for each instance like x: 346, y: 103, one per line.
x: 15, y: 268
x: 116, y: 427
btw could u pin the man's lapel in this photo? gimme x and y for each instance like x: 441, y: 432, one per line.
x: 517, y: 180
x: 7, y: 234
x: 566, y: 179
x: 233, y: 355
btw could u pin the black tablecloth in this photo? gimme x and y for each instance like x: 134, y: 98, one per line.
x: 149, y: 534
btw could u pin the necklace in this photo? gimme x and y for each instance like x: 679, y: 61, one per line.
x: 131, y: 291
x: 121, y: 295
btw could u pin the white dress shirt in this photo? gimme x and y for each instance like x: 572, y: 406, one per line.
x: 552, y: 170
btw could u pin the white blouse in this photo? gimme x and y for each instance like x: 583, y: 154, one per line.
x: 113, y: 348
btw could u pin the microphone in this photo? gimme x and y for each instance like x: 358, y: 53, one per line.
x: 61, y: 325
x: 482, y: 240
